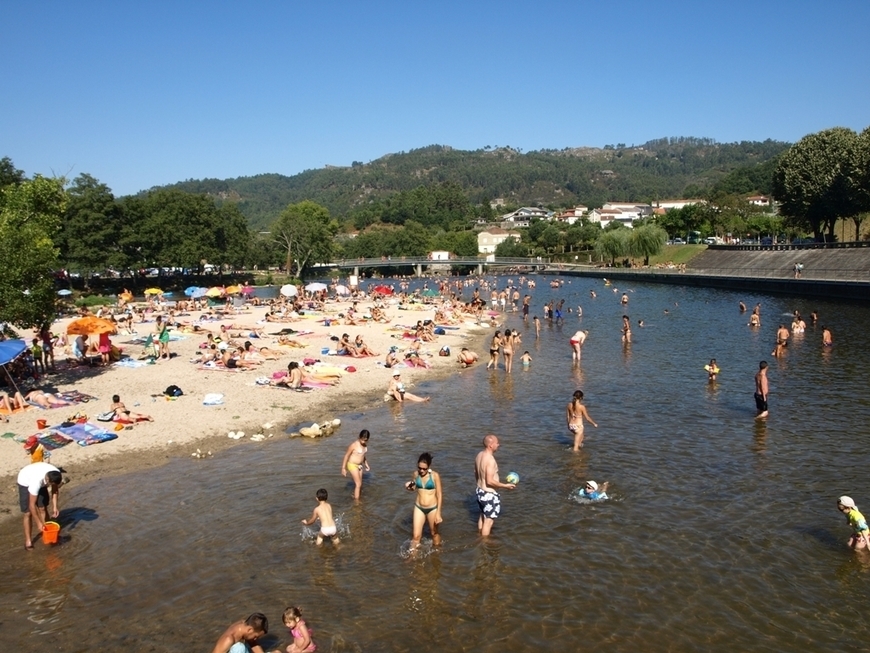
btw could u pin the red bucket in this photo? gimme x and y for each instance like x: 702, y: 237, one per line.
x: 41, y: 424
x: 50, y: 532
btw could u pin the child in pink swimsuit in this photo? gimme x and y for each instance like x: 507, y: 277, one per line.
x: 302, y: 642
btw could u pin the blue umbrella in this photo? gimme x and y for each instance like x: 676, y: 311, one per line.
x: 10, y: 350
x: 189, y: 291
x: 199, y: 292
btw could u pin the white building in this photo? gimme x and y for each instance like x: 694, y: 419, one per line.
x: 525, y: 214
x: 488, y: 240
x: 667, y: 205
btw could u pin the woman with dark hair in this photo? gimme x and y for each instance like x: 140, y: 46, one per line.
x: 355, y: 461
x: 576, y: 413
x: 427, y: 508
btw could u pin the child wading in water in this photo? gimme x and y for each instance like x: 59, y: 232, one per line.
x: 302, y: 642
x: 860, y: 532
x: 323, y: 512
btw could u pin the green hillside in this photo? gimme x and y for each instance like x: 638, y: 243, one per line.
x: 660, y: 169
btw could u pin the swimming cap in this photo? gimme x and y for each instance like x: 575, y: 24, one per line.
x: 592, y: 484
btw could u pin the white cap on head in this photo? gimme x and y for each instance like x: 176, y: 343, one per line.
x: 592, y: 484
x: 396, y: 373
x: 846, y: 501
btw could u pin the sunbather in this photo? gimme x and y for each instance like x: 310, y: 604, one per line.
x: 122, y: 414
x: 46, y: 399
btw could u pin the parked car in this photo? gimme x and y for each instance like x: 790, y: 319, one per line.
x: 678, y: 241
x: 767, y: 240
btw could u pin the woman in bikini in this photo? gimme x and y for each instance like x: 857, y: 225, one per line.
x: 355, y: 461
x: 493, y: 350
x: 507, y: 350
x: 575, y: 414
x: 427, y: 508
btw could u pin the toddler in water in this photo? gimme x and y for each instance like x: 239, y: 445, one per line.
x: 302, y: 642
x: 323, y: 512
x: 861, y: 533
x: 526, y: 359
x: 592, y: 493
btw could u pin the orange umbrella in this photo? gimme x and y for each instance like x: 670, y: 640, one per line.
x: 214, y: 292
x: 232, y: 290
x: 91, y: 325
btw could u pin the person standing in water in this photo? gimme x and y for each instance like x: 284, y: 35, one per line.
x: 626, y: 330
x: 827, y: 338
x: 782, y: 335
x: 575, y: 413
x: 355, y: 461
x: 427, y: 484
x: 761, y: 390
x: 576, y: 343
x: 486, y: 475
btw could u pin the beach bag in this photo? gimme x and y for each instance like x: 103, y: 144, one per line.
x: 445, y: 351
x: 106, y: 417
x: 173, y: 391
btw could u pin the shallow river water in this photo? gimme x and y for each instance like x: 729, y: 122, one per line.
x: 721, y: 533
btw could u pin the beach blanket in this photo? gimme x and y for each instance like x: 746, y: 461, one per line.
x: 52, y: 441
x: 85, y: 434
x: 3, y: 411
x: 211, y: 367
x: 130, y: 362
x: 76, y: 397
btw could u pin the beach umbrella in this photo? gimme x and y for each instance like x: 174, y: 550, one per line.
x: 247, y: 290
x: 64, y: 292
x: 153, y: 291
x: 90, y: 325
x: 430, y: 292
x: 383, y: 290
x: 289, y: 290
x: 232, y: 290
x: 126, y: 296
x: 199, y: 292
x: 214, y: 292
x: 10, y: 350
x: 189, y: 291
x: 342, y: 290
x: 315, y: 287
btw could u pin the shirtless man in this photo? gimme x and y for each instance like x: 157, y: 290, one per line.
x: 576, y: 343
x: 761, y: 390
x: 526, y: 301
x: 782, y: 335
x: 827, y: 338
x: 486, y: 475
x: 242, y: 636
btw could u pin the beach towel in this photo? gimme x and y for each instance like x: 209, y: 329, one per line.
x: 211, y: 367
x: 213, y: 399
x: 3, y: 411
x: 76, y: 397
x: 85, y: 434
x: 129, y: 362
x: 52, y: 441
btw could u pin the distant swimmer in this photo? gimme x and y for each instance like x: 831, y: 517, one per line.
x: 827, y: 338
x: 640, y: 323
x: 591, y: 491
x: 712, y: 370
x: 742, y: 307
x: 576, y: 343
x: 626, y: 330
x: 782, y: 336
x: 761, y: 390
x: 592, y: 294
x: 814, y: 317
x: 624, y: 299
x: 575, y: 414
x: 754, y: 320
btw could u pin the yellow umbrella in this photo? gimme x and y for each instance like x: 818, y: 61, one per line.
x: 232, y: 290
x: 153, y: 291
x: 90, y: 325
x: 214, y: 292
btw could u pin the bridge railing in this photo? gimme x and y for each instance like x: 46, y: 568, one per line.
x: 397, y: 261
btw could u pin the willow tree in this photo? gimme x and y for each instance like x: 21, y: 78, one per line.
x: 646, y: 240
x: 613, y: 244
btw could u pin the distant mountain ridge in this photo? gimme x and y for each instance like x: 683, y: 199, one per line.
x: 659, y: 169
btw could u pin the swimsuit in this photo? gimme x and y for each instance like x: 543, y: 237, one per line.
x: 352, y: 466
x: 857, y: 521
x: 430, y: 484
x: 425, y: 511
x: 489, y: 503
x: 296, y: 634
x: 328, y: 531
x: 760, y: 402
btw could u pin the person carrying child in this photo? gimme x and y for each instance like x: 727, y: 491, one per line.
x: 323, y: 512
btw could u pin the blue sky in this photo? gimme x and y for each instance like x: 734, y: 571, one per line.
x: 140, y: 94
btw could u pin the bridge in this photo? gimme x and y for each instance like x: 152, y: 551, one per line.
x: 418, y: 263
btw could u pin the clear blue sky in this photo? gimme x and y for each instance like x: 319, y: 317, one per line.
x: 140, y: 94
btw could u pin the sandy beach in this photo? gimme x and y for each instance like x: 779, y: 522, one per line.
x: 184, y: 425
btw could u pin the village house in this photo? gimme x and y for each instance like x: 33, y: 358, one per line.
x: 488, y: 240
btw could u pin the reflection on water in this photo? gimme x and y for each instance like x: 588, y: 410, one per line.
x: 721, y: 535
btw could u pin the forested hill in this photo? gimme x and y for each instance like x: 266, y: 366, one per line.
x: 660, y: 169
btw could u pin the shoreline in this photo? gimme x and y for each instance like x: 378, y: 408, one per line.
x: 183, y: 425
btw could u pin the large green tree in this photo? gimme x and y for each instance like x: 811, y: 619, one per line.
x: 814, y: 181
x: 646, y: 240
x: 30, y: 215
x: 613, y: 244
x: 305, y: 231
x: 89, y: 238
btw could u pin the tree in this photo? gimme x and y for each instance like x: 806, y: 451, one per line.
x: 647, y: 240
x: 30, y: 215
x: 305, y: 231
x: 814, y: 181
x: 550, y: 238
x: 88, y: 238
x: 9, y: 174
x: 613, y: 244
x: 511, y: 248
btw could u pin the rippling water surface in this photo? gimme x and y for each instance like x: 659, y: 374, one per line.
x: 721, y: 534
